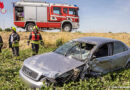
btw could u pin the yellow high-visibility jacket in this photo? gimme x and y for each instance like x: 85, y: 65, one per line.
x: 14, y: 40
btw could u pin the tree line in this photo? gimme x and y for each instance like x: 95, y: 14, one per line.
x: 6, y: 29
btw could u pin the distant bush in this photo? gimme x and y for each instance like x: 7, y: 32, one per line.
x: 110, y: 32
x: 59, y: 42
x: 124, y: 32
x: 8, y: 30
x: 78, y: 31
x: 0, y: 29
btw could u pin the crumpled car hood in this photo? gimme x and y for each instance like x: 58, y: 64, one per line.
x: 52, y: 63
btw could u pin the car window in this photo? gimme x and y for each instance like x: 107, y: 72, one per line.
x: 81, y: 51
x: 119, y: 47
x: 65, y: 10
x: 102, y: 51
x: 56, y: 10
x: 19, y: 13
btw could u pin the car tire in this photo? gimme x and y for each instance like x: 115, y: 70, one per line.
x: 128, y: 65
x: 67, y: 28
x: 29, y: 27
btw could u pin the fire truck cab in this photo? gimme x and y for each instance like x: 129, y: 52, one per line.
x: 46, y: 15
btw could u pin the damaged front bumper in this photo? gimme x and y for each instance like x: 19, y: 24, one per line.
x: 29, y: 82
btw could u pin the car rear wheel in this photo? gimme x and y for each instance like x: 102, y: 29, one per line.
x: 67, y: 28
x: 29, y: 27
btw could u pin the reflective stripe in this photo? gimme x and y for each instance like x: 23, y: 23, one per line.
x: 16, y: 41
x: 33, y: 52
x: 35, y: 42
x: 1, y: 43
x: 15, y: 44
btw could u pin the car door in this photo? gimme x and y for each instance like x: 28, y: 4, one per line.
x: 119, y: 55
x: 102, y: 62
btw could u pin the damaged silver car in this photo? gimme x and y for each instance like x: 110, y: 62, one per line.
x: 74, y: 60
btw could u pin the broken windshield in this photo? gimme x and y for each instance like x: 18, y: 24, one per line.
x: 65, y: 48
x: 81, y: 51
x: 75, y: 50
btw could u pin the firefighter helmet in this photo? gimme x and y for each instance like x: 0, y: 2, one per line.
x: 13, y: 28
x: 35, y: 27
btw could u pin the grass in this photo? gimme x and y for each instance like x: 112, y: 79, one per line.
x: 9, y: 75
x: 9, y: 68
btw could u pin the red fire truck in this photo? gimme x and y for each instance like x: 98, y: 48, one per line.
x: 45, y: 15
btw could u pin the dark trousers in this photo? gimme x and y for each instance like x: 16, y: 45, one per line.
x: 35, y: 48
x: 0, y: 49
x: 15, y: 51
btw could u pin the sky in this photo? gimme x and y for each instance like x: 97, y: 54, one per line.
x: 95, y: 15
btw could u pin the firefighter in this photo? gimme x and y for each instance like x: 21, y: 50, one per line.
x: 36, y: 39
x: 1, y: 44
x: 14, y: 43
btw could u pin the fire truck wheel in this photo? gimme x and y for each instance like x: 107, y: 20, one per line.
x: 29, y: 27
x: 67, y: 28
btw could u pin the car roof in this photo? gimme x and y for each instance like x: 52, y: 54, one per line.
x: 95, y: 40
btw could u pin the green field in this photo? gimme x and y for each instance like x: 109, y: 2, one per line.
x: 9, y: 75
